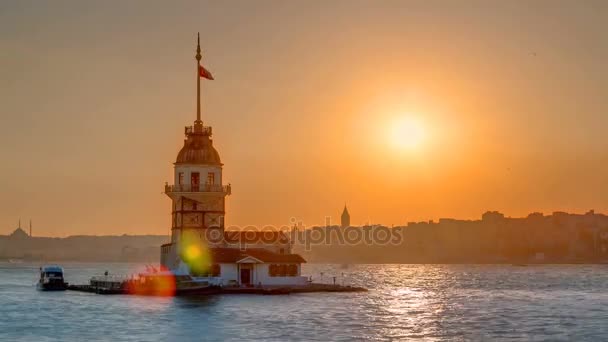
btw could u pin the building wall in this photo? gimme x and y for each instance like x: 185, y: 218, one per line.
x: 229, y: 272
x: 168, y: 256
x: 196, y: 214
x: 274, y: 247
x: 259, y: 274
x: 197, y: 237
x: 345, y: 220
x: 202, y: 169
x: 262, y: 276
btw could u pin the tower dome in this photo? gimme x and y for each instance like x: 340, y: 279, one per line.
x: 198, y: 148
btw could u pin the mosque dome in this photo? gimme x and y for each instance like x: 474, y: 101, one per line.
x: 19, y: 234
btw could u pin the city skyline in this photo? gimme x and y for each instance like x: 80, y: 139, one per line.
x: 497, y: 106
x: 557, y: 238
x: 335, y: 221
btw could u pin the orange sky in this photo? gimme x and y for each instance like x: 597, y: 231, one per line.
x: 94, y: 98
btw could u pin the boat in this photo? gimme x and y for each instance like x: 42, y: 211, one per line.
x: 51, y: 279
x: 163, y: 283
x: 151, y: 283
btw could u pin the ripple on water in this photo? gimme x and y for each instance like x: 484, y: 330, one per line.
x: 434, y: 302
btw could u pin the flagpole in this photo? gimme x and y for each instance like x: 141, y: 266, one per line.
x: 198, y: 79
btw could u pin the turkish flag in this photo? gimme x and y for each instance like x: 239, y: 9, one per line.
x: 202, y: 72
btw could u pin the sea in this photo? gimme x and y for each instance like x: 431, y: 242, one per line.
x: 404, y: 302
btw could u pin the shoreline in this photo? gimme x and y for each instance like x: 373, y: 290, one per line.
x: 16, y: 261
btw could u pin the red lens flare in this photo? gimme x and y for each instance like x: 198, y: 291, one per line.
x: 153, y: 284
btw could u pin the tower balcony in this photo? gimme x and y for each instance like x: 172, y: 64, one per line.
x: 214, y: 188
x: 198, y: 128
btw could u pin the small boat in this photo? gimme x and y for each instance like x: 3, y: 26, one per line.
x: 168, y: 283
x: 152, y: 283
x: 51, y: 279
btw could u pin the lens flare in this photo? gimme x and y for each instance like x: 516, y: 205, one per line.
x: 192, y: 252
x: 153, y: 284
x: 195, y: 254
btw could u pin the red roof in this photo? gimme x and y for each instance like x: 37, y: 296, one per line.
x: 232, y: 255
x: 250, y: 236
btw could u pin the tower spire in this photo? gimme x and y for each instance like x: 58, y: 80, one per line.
x: 198, y: 56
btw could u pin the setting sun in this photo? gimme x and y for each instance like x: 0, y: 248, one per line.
x: 407, y: 133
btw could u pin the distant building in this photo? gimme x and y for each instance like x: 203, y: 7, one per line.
x: 492, y: 216
x: 19, y: 233
x: 345, y: 219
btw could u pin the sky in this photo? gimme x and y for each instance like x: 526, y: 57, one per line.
x: 502, y: 106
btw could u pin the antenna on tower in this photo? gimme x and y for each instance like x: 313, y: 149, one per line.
x: 30, y: 227
x: 198, y: 79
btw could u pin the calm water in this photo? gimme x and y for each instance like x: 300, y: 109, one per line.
x: 434, y: 302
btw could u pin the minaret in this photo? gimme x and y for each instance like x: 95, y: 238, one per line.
x: 345, y: 219
x: 198, y: 192
x: 30, y: 228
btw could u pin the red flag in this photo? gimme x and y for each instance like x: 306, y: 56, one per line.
x: 202, y: 72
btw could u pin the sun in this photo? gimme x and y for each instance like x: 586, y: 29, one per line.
x: 407, y: 133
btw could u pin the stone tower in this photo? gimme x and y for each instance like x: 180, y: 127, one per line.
x: 198, y: 192
x: 345, y: 218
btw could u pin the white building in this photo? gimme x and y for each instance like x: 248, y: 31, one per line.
x: 198, y: 239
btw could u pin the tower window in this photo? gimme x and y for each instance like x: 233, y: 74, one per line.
x: 195, y: 181
x: 210, y: 178
x: 180, y: 178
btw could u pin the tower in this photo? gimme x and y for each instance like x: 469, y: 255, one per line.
x: 198, y: 192
x: 345, y: 218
